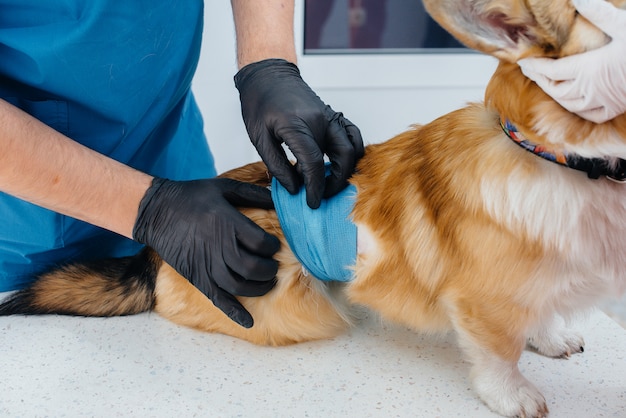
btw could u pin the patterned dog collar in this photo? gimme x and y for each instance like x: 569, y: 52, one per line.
x: 594, y: 167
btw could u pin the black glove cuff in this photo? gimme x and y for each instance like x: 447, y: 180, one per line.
x: 271, y: 65
x: 140, y: 229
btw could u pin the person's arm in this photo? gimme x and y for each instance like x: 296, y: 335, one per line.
x: 279, y: 107
x: 264, y: 30
x: 193, y: 225
x: 41, y: 166
x: 592, y: 84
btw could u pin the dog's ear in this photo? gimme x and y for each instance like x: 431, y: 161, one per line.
x: 506, y: 29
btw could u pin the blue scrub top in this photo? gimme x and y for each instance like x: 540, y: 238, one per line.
x: 114, y: 76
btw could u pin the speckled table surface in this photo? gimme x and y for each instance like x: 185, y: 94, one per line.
x: 144, y: 366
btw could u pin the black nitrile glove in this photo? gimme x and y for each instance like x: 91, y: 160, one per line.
x: 195, y: 228
x: 278, y: 106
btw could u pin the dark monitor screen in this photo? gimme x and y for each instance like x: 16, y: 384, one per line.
x: 373, y: 26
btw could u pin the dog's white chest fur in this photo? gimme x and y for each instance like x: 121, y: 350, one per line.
x: 583, y: 221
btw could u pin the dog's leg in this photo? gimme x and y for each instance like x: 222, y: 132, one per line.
x: 297, y: 309
x: 553, y: 339
x: 505, y: 390
x: 497, y: 378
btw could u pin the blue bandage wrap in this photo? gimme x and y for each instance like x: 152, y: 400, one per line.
x: 323, y: 239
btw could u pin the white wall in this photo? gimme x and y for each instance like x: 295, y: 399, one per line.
x: 381, y: 94
x: 215, y: 91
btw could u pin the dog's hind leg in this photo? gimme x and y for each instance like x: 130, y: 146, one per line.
x: 180, y: 302
x: 298, y: 309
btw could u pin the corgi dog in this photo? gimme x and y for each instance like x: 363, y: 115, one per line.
x: 499, y: 221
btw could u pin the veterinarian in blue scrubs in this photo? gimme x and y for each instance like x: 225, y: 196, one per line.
x: 100, y: 135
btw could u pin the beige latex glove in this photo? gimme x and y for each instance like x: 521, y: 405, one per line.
x: 592, y: 84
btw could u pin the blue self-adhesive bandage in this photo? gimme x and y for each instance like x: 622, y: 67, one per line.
x: 323, y: 239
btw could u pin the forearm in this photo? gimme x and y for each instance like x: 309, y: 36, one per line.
x: 41, y: 166
x: 264, y: 30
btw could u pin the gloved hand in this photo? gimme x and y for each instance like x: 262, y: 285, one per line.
x: 278, y: 106
x: 592, y: 84
x: 194, y: 227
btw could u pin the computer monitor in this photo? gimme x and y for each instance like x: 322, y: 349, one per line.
x: 385, y: 63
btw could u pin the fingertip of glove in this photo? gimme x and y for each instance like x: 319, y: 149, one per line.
x: 292, y: 184
x: 314, y: 189
x: 232, y: 308
x: 313, y: 202
x: 287, y: 176
x: 263, y: 196
x: 242, y: 317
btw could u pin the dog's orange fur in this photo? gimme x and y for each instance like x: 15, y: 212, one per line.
x: 441, y: 260
x: 463, y: 229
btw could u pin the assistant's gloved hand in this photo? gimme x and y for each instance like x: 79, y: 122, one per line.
x: 195, y: 228
x: 279, y: 107
x: 592, y: 84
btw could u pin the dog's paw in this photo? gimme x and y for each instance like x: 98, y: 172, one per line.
x: 554, y: 340
x: 512, y: 395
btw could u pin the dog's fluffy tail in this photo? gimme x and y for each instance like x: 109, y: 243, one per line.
x: 112, y: 287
